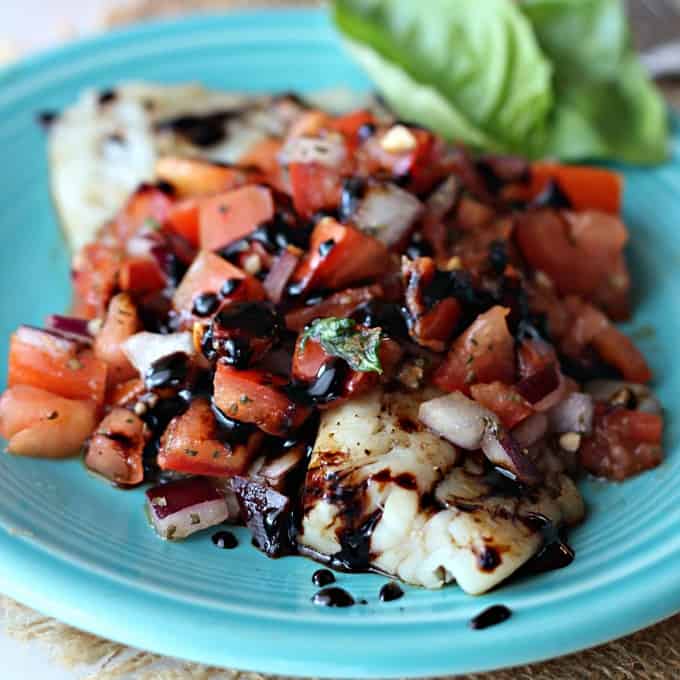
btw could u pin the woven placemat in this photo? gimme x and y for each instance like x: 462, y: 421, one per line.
x: 651, y: 654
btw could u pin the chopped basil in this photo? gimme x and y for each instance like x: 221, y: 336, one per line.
x: 344, y: 339
x: 245, y: 399
x: 191, y: 452
x: 151, y: 223
x: 53, y: 415
x: 172, y: 529
x: 195, y: 518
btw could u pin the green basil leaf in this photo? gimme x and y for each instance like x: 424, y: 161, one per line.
x: 344, y: 339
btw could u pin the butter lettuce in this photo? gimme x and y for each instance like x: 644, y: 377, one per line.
x: 538, y: 77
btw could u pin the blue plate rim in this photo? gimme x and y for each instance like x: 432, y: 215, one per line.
x: 653, y: 598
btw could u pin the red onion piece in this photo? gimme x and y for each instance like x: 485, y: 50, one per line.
x: 455, y: 417
x: 69, y: 327
x: 274, y: 471
x: 45, y: 339
x: 536, y: 387
x: 573, y: 414
x: 387, y: 212
x: 503, y: 450
x: 328, y: 151
x: 182, y: 508
x: 144, y: 348
x: 277, y: 279
x: 531, y: 430
x: 604, y: 390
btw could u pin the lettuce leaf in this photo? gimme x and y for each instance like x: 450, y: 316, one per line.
x: 470, y: 70
x: 543, y: 78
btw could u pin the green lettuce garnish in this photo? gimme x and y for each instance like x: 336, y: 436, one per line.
x: 543, y: 78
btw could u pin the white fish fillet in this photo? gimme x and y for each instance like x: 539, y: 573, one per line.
x: 434, y: 518
x: 99, y: 153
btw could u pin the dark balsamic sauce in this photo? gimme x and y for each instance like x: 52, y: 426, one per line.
x: 352, y: 192
x: 47, y: 118
x: 390, y: 591
x: 200, y: 130
x: 205, y: 304
x: 555, y: 552
x: 106, y: 97
x: 490, y: 617
x: 322, y: 577
x: 225, y: 540
x: 333, y: 597
x: 168, y: 371
x: 552, y: 197
x: 326, y: 387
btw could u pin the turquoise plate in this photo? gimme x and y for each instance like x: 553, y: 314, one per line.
x: 79, y: 550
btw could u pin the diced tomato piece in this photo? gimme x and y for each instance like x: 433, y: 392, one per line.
x: 350, y: 124
x: 141, y: 275
x: 590, y: 327
x: 340, y: 255
x: 126, y: 393
x: 624, y: 443
x: 503, y: 400
x: 121, y: 322
x: 183, y: 219
x: 116, y: 448
x: 227, y: 217
x: 587, y: 188
x: 472, y: 214
x: 308, y: 358
x: 207, y: 274
x: 340, y: 305
x: 197, y: 177
x: 430, y: 325
x: 264, y: 155
x: 38, y: 423
x: 485, y: 353
x: 257, y: 397
x: 148, y: 203
x: 314, y: 187
x: 95, y: 277
x: 576, y: 250
x: 49, y: 362
x: 310, y: 123
x: 192, y: 444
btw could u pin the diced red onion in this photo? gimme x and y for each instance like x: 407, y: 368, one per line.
x: 328, y: 151
x: 69, y: 327
x: 387, y: 212
x: 45, y: 339
x: 455, y: 417
x: 144, y: 348
x: 179, y: 509
x: 604, y: 390
x: 277, y: 279
x: 275, y: 471
x: 467, y: 424
x: 531, y: 430
x: 444, y: 197
x: 536, y: 387
x: 573, y: 414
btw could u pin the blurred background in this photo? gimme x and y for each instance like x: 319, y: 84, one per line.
x: 31, y: 25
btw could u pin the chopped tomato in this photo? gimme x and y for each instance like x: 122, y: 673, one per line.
x: 42, y: 359
x: 196, y: 177
x: 472, y: 214
x: 431, y: 324
x: 147, y: 205
x: 340, y: 255
x: 485, y: 353
x: 340, y: 305
x: 227, y: 217
x: 624, y: 443
x: 141, y: 275
x: 39, y: 423
x: 121, y: 322
x: 350, y: 126
x: 576, y: 250
x: 263, y: 155
x: 183, y: 219
x: 590, y: 327
x: 503, y: 400
x: 116, y: 448
x: 192, y: 444
x: 257, y: 397
x: 587, y: 188
x: 208, y: 274
x: 310, y: 123
x: 314, y: 187
x: 95, y: 277
x: 126, y: 393
x: 613, y: 294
